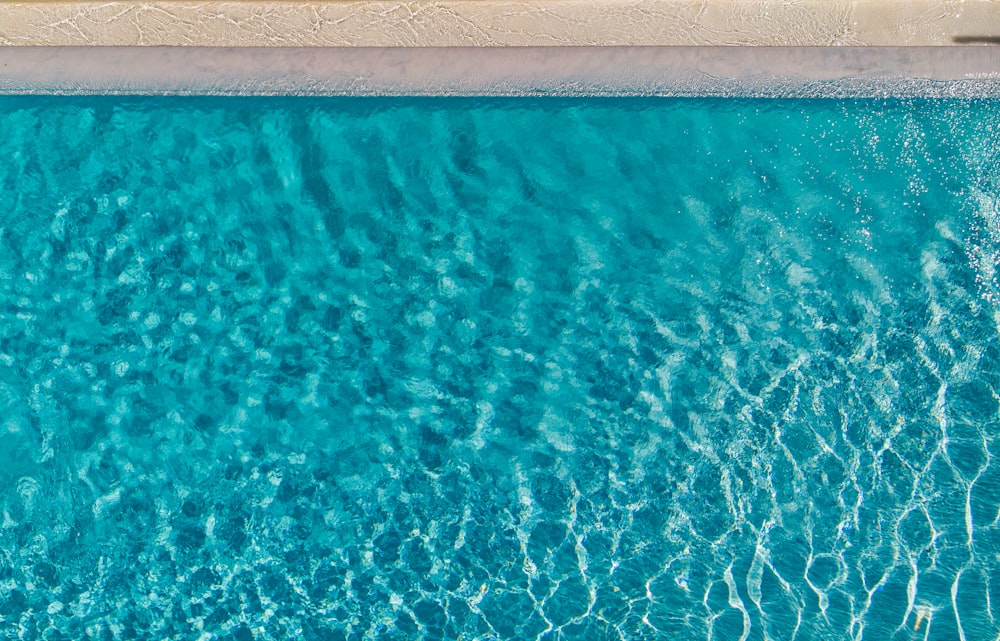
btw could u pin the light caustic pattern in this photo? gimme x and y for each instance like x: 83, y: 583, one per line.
x: 501, y: 369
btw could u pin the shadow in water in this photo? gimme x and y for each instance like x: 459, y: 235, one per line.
x: 976, y: 40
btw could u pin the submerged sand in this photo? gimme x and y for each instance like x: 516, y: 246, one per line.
x: 665, y: 71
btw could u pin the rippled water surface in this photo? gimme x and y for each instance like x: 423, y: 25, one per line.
x: 279, y: 368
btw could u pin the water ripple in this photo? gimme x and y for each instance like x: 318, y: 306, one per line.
x: 562, y: 370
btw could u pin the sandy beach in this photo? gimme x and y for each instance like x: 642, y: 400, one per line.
x: 496, y: 23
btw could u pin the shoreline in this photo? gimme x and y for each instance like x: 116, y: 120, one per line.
x: 764, y: 72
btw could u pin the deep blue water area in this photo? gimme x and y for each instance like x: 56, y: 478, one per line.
x: 281, y: 368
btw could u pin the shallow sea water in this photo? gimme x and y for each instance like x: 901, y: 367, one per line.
x: 567, y: 369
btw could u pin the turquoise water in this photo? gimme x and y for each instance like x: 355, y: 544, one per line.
x: 647, y: 369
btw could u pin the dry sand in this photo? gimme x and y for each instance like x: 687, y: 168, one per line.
x: 447, y: 23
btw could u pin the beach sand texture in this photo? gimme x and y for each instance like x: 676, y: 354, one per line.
x: 495, y: 23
